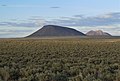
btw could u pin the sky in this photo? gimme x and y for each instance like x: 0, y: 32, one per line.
x: 19, y: 18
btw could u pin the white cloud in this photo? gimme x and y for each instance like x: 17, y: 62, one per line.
x: 10, y: 32
x: 113, y: 29
x: 80, y: 20
x: 22, y: 6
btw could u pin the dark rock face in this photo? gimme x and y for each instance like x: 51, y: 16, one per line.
x: 53, y: 30
x: 97, y: 33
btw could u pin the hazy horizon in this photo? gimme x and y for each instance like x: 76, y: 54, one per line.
x: 21, y: 18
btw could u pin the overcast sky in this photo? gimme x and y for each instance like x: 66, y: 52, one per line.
x: 19, y: 18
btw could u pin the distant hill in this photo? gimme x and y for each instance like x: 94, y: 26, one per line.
x: 53, y: 30
x: 97, y: 33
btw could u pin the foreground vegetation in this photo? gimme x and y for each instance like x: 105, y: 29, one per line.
x: 60, y: 60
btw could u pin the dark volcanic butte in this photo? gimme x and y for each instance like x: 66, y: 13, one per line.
x: 53, y: 30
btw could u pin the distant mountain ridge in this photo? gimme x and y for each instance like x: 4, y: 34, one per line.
x: 53, y: 30
x: 97, y: 33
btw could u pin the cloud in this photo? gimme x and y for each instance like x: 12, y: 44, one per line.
x: 38, y: 21
x: 22, y: 6
x: 4, y: 5
x: 28, y: 6
x: 32, y: 22
x: 113, y: 29
x: 76, y: 20
x: 20, y: 28
x: 11, y: 31
x: 7, y: 33
x: 15, y: 24
x: 80, y: 20
x: 55, y: 7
